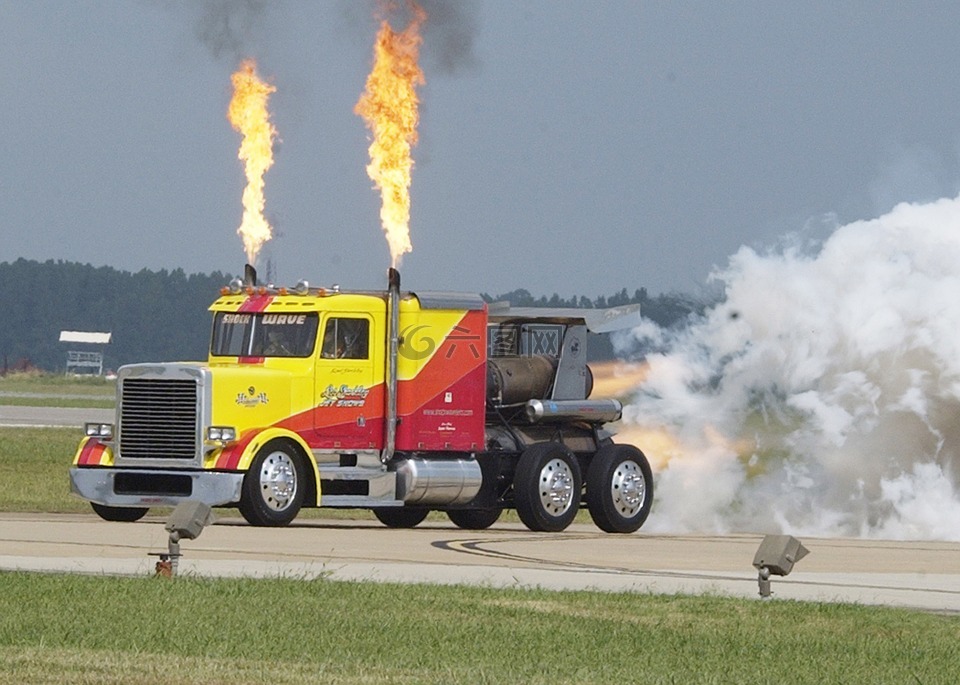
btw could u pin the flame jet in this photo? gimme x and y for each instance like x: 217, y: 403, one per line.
x: 390, y: 108
x: 248, y: 115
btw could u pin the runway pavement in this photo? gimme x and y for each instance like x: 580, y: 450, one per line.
x: 924, y: 575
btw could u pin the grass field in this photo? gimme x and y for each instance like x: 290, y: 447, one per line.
x: 189, y: 630
x: 56, y: 384
x: 37, y: 389
x: 46, y: 401
x: 33, y: 469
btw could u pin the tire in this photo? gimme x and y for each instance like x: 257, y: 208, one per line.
x: 474, y: 519
x: 547, y: 486
x: 400, y: 517
x: 619, y: 488
x: 273, y: 487
x: 122, y: 514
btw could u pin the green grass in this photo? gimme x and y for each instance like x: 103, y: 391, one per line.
x: 57, y: 384
x: 56, y: 390
x: 189, y: 630
x: 33, y: 470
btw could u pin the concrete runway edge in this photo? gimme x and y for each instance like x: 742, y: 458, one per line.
x: 918, y: 575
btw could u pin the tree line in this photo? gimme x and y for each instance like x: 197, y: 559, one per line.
x: 666, y: 310
x: 153, y: 315
x: 162, y: 315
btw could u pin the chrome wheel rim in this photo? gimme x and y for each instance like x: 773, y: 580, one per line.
x: 628, y: 489
x: 278, y: 480
x: 556, y: 487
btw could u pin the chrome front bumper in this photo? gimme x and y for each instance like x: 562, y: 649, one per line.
x: 155, y: 488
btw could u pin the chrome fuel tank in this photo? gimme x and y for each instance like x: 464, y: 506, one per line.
x: 438, y: 481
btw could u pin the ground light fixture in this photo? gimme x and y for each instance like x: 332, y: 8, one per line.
x: 775, y: 557
x: 187, y: 521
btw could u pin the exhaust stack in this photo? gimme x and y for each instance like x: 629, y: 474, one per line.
x: 393, y: 342
x: 249, y: 276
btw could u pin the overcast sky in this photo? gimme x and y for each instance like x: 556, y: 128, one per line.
x: 571, y: 147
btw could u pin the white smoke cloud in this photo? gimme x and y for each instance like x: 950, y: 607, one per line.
x: 822, y: 396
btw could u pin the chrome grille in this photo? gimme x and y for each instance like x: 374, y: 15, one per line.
x: 158, y: 419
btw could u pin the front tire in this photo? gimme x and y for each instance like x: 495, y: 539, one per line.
x: 121, y: 514
x: 547, y: 486
x: 273, y: 487
x: 474, y: 519
x: 619, y: 488
x: 400, y: 517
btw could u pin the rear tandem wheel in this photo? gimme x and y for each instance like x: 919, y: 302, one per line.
x: 619, y: 488
x: 547, y: 486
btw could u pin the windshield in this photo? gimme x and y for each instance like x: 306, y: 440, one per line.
x: 263, y: 335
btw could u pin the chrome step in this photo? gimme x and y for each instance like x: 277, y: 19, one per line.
x: 340, y: 483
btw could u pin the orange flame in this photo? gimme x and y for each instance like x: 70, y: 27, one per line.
x: 390, y: 108
x: 249, y: 116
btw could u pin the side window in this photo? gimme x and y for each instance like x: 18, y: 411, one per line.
x: 346, y: 339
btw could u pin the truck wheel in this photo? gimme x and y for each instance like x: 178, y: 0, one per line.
x: 124, y: 514
x: 619, y: 488
x: 474, y: 519
x: 546, y: 487
x: 273, y: 487
x: 400, y: 517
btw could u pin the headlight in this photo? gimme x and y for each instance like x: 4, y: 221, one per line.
x: 104, y: 431
x: 221, y: 433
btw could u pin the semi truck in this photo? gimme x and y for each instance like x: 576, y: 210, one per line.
x: 398, y: 402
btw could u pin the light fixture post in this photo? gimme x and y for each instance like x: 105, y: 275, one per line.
x: 775, y: 557
x: 187, y: 521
